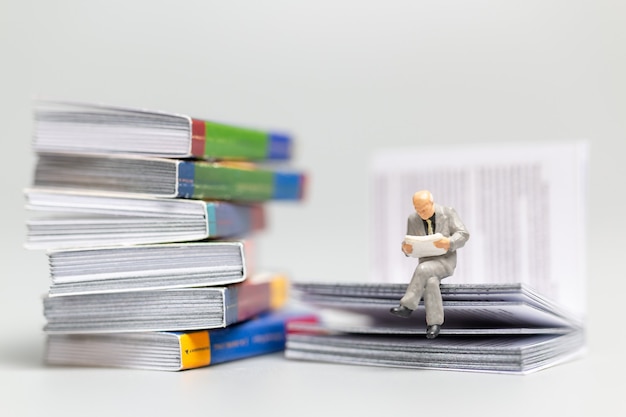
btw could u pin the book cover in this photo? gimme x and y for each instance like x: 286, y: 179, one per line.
x: 74, y: 127
x: 66, y: 219
x: 146, y: 267
x: 165, y: 310
x: 174, y: 351
x: 172, y: 178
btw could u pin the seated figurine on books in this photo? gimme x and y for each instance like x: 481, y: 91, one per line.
x: 434, y: 233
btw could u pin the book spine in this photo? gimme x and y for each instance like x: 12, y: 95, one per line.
x: 227, y: 220
x: 253, y: 338
x: 263, y: 335
x: 185, y: 177
x: 279, y: 287
x: 195, y: 349
x: 289, y: 186
x: 246, y: 300
x: 210, y: 140
x: 237, y: 182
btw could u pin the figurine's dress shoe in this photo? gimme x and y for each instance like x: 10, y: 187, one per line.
x: 433, y: 331
x: 401, y: 311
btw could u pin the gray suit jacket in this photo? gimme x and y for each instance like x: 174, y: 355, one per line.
x: 449, y: 224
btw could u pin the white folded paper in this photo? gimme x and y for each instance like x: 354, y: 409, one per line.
x: 424, y: 245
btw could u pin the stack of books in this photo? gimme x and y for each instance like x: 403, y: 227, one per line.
x: 500, y: 328
x: 147, y: 219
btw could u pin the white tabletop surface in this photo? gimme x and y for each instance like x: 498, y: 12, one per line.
x: 273, y: 385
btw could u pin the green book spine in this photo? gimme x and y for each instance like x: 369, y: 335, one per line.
x: 237, y: 182
x: 213, y: 141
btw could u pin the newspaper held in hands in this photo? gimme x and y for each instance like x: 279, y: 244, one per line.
x: 424, y: 245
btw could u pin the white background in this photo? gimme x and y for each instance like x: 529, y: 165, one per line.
x: 348, y: 78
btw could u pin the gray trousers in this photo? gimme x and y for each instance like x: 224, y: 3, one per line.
x: 425, y: 283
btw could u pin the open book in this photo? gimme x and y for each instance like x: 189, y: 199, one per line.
x: 469, y: 308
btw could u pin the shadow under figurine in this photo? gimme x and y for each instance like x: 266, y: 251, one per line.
x: 437, y: 258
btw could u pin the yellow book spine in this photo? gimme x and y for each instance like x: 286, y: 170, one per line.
x: 279, y: 287
x: 195, y: 350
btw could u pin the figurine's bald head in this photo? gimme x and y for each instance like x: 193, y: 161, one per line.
x: 424, y: 204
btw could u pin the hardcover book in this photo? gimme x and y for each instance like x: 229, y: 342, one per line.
x: 146, y: 267
x: 65, y: 219
x: 72, y: 127
x: 160, y: 177
x: 165, y: 310
x: 175, y: 351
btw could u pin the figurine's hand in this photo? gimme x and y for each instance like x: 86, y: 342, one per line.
x: 407, y: 248
x: 443, y: 243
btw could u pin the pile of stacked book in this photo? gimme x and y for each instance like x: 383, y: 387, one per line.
x: 147, y: 220
x: 501, y: 328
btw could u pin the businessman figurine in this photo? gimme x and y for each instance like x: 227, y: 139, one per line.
x: 430, y: 218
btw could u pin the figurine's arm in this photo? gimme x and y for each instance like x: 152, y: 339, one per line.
x: 407, y: 248
x: 459, y: 236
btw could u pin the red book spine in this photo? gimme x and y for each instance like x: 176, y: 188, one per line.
x: 198, y: 138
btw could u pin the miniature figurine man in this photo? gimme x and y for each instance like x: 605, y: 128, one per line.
x: 430, y: 218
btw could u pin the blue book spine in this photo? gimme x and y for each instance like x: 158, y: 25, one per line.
x: 260, y: 335
x: 226, y: 219
x: 186, y: 177
x: 251, y: 338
